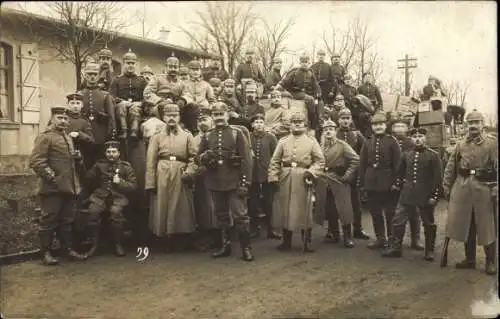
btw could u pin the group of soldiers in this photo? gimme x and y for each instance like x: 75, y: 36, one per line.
x: 176, y: 156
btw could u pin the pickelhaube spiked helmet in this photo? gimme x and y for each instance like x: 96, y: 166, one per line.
x: 219, y: 106
x: 344, y: 112
x: 147, y: 69
x: 172, y: 59
x: 378, y: 117
x: 130, y: 56
x: 105, y: 52
x: 474, y: 115
x: 329, y: 123
x: 215, y: 82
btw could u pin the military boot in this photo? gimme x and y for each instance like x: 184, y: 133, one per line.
x: 286, y: 244
x: 307, y: 240
x: 271, y: 233
x: 490, y: 252
x: 45, y: 241
x: 94, y: 237
x: 430, y: 242
x: 332, y: 236
x: 415, y: 234
x: 470, y: 255
x: 67, y: 246
x: 246, y: 248
x: 225, y: 248
x: 254, y: 228
x: 396, y: 248
x: 118, y: 240
x: 347, y: 233
x: 379, y: 229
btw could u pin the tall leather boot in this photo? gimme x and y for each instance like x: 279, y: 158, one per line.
x: 118, y: 239
x: 286, y: 244
x: 490, y: 251
x: 225, y: 249
x: 430, y: 242
x: 332, y: 236
x: 45, y: 238
x: 307, y: 240
x: 347, y: 233
x: 379, y: 229
x: 470, y: 254
x: 396, y: 248
x: 94, y: 236
x: 67, y: 246
x: 415, y: 233
x: 246, y: 248
x: 254, y: 227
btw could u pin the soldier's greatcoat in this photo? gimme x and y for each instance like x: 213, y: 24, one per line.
x: 341, y: 164
x: 291, y: 201
x: 162, y: 86
x: 467, y: 193
x: 170, y: 155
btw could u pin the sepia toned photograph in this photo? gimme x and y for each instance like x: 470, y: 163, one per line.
x: 248, y: 159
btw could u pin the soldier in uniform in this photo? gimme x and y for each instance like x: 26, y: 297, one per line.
x: 420, y: 174
x: 249, y: 70
x: 380, y: 159
x: 251, y: 108
x: 226, y: 154
x: 215, y: 71
x: 470, y: 183
x: 274, y: 76
x: 183, y: 73
x: 276, y: 114
x: 196, y: 94
x: 127, y: 91
x: 302, y: 84
x: 294, y: 167
x: 147, y: 73
x: 355, y: 140
x: 228, y: 96
x: 53, y: 160
x: 324, y: 75
x: 164, y: 86
x: 399, y: 129
x: 263, y: 145
x: 216, y: 85
x: 334, y: 186
x: 105, y: 73
x: 115, y: 180
x: 170, y: 178
x: 371, y: 91
x: 99, y: 109
x: 338, y: 104
x: 338, y: 71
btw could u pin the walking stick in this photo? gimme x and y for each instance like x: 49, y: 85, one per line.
x: 444, y: 252
x: 309, y: 187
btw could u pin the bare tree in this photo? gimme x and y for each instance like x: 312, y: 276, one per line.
x: 227, y: 24
x: 271, y: 42
x: 365, y: 45
x: 456, y: 93
x: 341, y: 42
x: 78, y: 29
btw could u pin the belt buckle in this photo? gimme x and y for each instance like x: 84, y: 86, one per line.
x: 172, y: 158
x: 374, y: 165
x: 326, y: 169
x: 472, y: 172
x: 220, y: 162
x: 91, y: 118
x: 294, y: 164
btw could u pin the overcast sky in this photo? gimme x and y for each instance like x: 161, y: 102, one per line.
x: 455, y: 41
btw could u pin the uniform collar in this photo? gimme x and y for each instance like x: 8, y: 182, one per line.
x: 258, y: 134
x: 476, y: 139
x: 174, y: 131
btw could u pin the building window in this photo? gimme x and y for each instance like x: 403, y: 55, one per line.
x: 6, y: 82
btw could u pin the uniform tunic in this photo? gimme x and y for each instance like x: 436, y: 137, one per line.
x: 99, y: 109
x: 197, y: 92
x: 248, y: 70
x: 160, y: 87
x: 272, y: 78
x: 291, y: 201
x: 373, y: 93
x: 263, y: 146
x: 85, y: 138
x: 324, y: 75
x: 274, y: 117
x: 128, y: 86
x: 341, y: 163
x: 170, y: 155
x: 469, y: 195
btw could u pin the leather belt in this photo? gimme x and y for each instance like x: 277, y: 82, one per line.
x: 293, y: 164
x: 172, y: 158
x: 467, y: 172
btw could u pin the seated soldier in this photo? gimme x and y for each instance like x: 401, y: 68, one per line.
x: 216, y: 85
x: 275, y: 115
x: 115, y: 178
x: 183, y: 73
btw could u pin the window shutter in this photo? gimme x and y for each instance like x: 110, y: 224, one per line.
x: 29, y: 83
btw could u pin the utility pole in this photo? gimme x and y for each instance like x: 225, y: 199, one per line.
x: 407, y: 68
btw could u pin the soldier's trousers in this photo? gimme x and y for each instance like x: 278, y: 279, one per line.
x: 356, y: 208
x: 229, y: 206
x: 57, y: 211
x: 96, y: 212
x: 413, y: 218
x: 490, y: 250
x: 378, y: 203
x: 405, y: 213
x: 326, y: 88
x: 189, y: 117
x: 260, y: 197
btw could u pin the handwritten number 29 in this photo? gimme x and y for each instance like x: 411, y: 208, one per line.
x: 142, y: 253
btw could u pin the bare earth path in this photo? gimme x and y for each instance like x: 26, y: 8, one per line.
x: 332, y: 283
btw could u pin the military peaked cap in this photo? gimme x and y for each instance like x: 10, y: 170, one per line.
x: 92, y: 68
x: 258, y: 116
x: 298, y: 116
x: 378, y: 118
x: 130, y: 56
x: 147, y: 69
x: 112, y: 144
x: 321, y: 52
x: 251, y: 87
x: 55, y: 110
x: 345, y: 112
x: 170, y: 108
x: 214, y: 82
x: 183, y: 70
x: 219, y: 107
x: 204, y: 112
x: 329, y: 123
x: 229, y: 82
x: 105, y: 52
x: 75, y: 96
x: 475, y: 115
x: 304, y: 57
x: 194, y: 65
x: 419, y: 130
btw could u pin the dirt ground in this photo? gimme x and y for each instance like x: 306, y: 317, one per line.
x: 332, y: 283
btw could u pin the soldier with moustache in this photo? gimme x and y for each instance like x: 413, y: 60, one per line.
x: 216, y: 85
x: 371, y: 91
x: 147, y: 73
x: 105, y: 74
x: 420, y: 177
x: 183, y: 73
x: 355, y: 139
x: 379, y: 165
x: 399, y: 129
x: 53, y: 160
x: 334, y: 186
x: 249, y: 70
x: 274, y: 76
x: 226, y: 155
x: 293, y: 171
x: 215, y: 71
x: 228, y: 96
x: 251, y: 108
x: 470, y: 183
x: 276, y: 114
x: 263, y: 145
x: 324, y: 75
x: 338, y: 71
x: 99, y: 109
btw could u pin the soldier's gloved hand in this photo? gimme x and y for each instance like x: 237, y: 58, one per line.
x: 395, y: 188
x: 432, y: 201
x: 309, y: 178
x: 74, y: 134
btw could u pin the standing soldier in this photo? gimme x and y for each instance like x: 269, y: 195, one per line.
x: 228, y: 96
x: 341, y: 163
x: 296, y: 162
x: 470, y: 183
x: 215, y: 71
x: 263, y: 146
x: 170, y: 177
x: 371, y: 91
x: 99, y: 109
x: 115, y: 180
x: 196, y: 94
x: 380, y: 159
x: 226, y: 155
x: 338, y: 72
x: 164, y: 86
x: 105, y: 72
x: 399, y: 130
x: 274, y: 76
x: 249, y: 70
x: 355, y: 140
x: 420, y: 174
x: 52, y: 159
x: 147, y: 73
x: 324, y: 75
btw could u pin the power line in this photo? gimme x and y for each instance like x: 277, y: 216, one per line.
x: 407, y: 68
